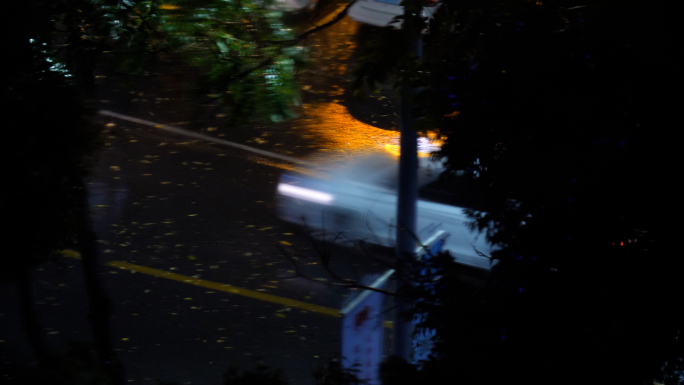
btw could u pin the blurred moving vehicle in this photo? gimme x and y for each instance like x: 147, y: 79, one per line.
x: 380, y: 13
x: 357, y: 202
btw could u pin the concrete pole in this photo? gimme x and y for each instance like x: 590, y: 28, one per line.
x: 407, y: 196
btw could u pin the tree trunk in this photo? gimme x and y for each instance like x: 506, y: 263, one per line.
x: 28, y: 314
x: 99, y: 302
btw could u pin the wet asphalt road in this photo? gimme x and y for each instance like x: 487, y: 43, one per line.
x: 206, y: 212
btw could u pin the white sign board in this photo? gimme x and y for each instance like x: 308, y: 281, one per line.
x: 362, y: 332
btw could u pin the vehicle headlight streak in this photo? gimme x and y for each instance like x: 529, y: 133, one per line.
x: 305, y: 194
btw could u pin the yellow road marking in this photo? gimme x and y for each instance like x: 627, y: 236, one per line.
x: 216, y: 286
x: 71, y: 254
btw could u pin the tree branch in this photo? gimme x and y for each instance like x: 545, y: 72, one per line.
x: 317, y: 28
x: 343, y: 282
x: 337, y: 18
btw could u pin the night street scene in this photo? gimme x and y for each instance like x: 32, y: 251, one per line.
x: 340, y: 192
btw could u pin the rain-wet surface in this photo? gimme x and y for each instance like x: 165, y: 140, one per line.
x: 330, y: 122
x: 202, y: 211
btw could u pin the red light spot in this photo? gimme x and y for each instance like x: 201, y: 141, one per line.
x: 361, y: 317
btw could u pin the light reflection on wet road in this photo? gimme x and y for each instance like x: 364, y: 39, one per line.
x: 331, y: 121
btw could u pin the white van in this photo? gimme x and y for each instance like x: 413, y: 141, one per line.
x: 357, y: 202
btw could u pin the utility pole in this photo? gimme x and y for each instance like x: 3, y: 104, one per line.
x: 407, y: 194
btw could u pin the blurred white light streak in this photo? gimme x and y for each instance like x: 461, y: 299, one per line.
x: 305, y: 194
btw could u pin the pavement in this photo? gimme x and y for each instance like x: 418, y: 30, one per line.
x: 170, y: 331
x: 169, y: 99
